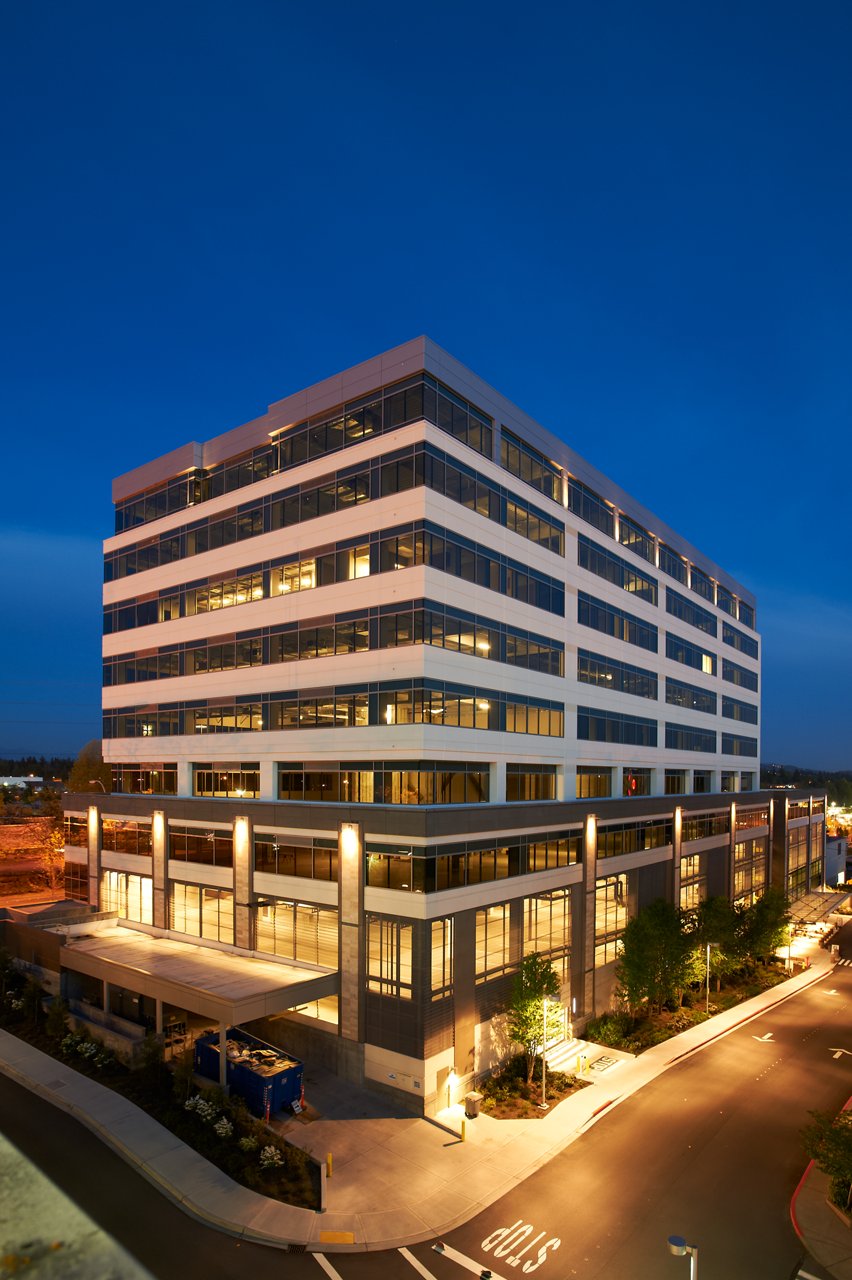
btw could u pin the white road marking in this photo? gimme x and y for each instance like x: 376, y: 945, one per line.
x: 763, y: 1039
x: 838, y: 1053
x: 468, y: 1263
x: 327, y: 1267
x: 417, y: 1264
x: 515, y: 1242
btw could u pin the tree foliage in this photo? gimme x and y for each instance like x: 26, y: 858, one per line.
x: 149, y: 1060
x: 51, y: 850
x: 715, y: 922
x: 828, y: 1142
x: 658, y: 956
x: 56, y: 1023
x: 183, y: 1075
x: 664, y: 949
x: 32, y: 996
x: 763, y: 927
x: 534, y: 982
x: 838, y: 784
x: 89, y: 769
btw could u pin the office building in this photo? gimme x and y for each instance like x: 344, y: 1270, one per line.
x: 397, y: 688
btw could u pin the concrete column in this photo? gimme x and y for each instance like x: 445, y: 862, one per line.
x: 497, y: 782
x: 815, y: 852
x: 590, y: 860
x: 350, y: 906
x: 158, y: 1016
x: 464, y: 995
x: 184, y: 778
x: 159, y: 845
x: 268, y: 780
x: 677, y: 845
x: 94, y: 851
x: 243, y: 886
x: 106, y: 996
x: 729, y: 870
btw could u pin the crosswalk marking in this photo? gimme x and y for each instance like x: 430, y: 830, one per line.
x: 417, y: 1265
x: 468, y: 1263
x: 329, y: 1270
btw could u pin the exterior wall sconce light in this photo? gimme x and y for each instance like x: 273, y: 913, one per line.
x: 349, y: 841
x: 241, y: 840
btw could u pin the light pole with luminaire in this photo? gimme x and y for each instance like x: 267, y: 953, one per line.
x: 543, y: 1103
x: 96, y: 782
x: 709, y: 945
x: 679, y: 1247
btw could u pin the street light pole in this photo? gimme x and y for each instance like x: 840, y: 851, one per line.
x: 679, y: 1248
x: 707, y: 1007
x: 544, y: 1056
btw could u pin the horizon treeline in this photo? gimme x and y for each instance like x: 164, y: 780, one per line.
x: 46, y: 767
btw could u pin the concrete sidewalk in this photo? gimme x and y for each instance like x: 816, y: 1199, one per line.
x: 396, y: 1179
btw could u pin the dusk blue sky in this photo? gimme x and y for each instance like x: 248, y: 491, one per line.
x: 633, y: 219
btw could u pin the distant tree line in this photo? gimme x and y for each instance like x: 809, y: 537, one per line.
x: 47, y: 767
x: 838, y: 785
x: 85, y: 772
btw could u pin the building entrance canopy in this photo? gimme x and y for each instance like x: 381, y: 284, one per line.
x: 815, y: 906
x: 218, y: 985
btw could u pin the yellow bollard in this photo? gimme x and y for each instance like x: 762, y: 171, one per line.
x: 463, y: 1132
x: 329, y: 1165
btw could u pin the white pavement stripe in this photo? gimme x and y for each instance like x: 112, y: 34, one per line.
x: 417, y: 1265
x: 468, y: 1263
x: 327, y: 1267
x: 805, y: 1275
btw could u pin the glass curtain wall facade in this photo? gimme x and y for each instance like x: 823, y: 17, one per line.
x: 417, y: 612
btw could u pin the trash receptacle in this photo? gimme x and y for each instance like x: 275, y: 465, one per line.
x: 472, y: 1103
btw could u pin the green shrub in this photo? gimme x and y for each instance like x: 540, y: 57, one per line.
x: 56, y: 1024
x: 611, y: 1029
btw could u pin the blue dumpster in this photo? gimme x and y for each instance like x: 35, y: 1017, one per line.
x: 266, y: 1078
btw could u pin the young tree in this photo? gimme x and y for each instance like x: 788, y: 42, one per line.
x: 658, y: 957
x: 183, y: 1075
x: 89, y: 770
x: 51, y: 847
x: 828, y: 1142
x: 32, y: 995
x: 762, y: 927
x: 534, y: 982
x: 56, y: 1023
x: 149, y: 1061
x: 715, y: 922
x: 49, y: 803
x: 7, y: 969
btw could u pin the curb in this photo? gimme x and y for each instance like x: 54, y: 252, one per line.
x: 309, y: 1237
x: 156, y: 1179
x: 799, y: 1185
x: 817, y: 976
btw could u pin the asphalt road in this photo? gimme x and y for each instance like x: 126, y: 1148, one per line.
x: 710, y: 1151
